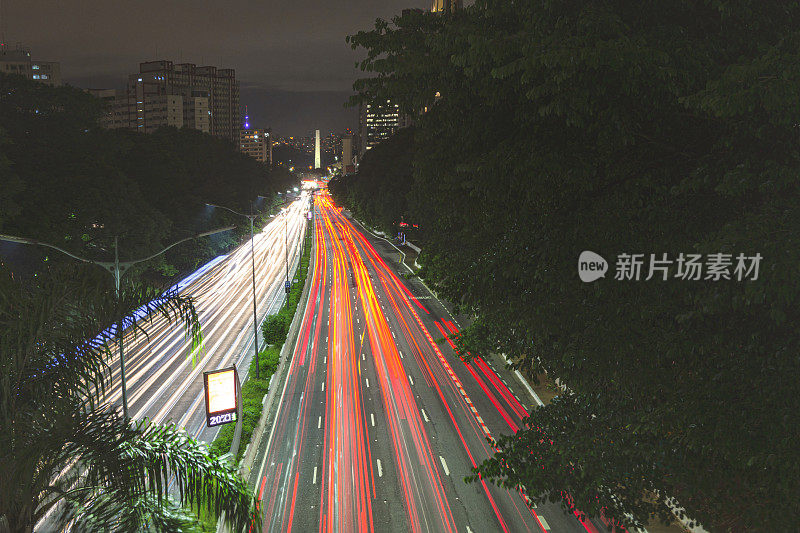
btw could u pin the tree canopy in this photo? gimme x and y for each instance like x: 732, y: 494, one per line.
x: 544, y: 129
x: 377, y: 194
x: 72, y: 183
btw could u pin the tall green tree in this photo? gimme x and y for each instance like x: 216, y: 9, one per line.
x: 63, y: 450
x: 378, y: 193
x: 618, y: 126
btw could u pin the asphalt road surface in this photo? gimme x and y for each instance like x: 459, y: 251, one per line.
x: 379, y: 421
x: 164, y: 375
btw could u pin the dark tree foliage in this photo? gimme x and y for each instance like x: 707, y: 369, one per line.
x: 619, y: 127
x: 67, y: 181
x: 378, y: 193
x: 62, y: 448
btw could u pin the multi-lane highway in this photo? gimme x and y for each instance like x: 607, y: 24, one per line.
x: 164, y: 376
x: 378, y: 423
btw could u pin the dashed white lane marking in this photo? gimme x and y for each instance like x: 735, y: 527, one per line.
x: 315, y: 476
x: 367, y: 380
x: 323, y: 386
x: 380, y: 468
x: 469, y: 530
x: 425, y: 416
x: 444, y: 466
x: 319, y: 422
x: 544, y: 522
x: 326, y: 339
x: 393, y: 335
x: 411, y: 380
x: 372, y: 419
x: 401, y: 354
x: 363, y: 357
x: 325, y: 360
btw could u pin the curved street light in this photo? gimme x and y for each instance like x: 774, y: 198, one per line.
x: 116, y: 268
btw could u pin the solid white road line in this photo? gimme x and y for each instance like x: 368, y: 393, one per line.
x: 444, y: 466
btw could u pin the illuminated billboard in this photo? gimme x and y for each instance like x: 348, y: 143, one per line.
x: 221, y: 396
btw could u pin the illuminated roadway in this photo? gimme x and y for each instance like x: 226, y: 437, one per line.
x: 164, y: 378
x: 379, y: 423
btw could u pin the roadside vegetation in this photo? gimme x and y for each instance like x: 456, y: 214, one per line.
x: 619, y: 127
x: 275, y: 329
x: 63, y: 450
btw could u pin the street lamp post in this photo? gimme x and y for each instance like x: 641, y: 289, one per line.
x: 116, y: 269
x: 250, y: 217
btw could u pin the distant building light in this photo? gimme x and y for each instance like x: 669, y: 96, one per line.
x: 140, y: 79
x: 35, y: 67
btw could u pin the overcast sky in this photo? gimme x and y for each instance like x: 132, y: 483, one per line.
x: 292, y: 61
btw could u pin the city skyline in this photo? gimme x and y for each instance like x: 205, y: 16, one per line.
x: 296, y: 69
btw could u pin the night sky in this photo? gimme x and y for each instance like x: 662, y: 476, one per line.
x: 292, y: 61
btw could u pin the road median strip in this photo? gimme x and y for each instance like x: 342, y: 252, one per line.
x: 258, y: 394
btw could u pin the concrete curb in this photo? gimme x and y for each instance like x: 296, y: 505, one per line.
x: 245, y: 467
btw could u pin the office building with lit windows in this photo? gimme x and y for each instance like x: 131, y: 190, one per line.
x: 179, y: 95
x: 257, y: 143
x: 18, y: 61
x: 378, y: 121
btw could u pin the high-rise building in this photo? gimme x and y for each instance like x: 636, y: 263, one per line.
x: 257, y: 143
x: 217, y: 85
x: 180, y: 95
x: 18, y: 61
x: 378, y: 121
x: 448, y: 6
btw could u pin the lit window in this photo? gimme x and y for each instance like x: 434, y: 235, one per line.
x: 35, y: 67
